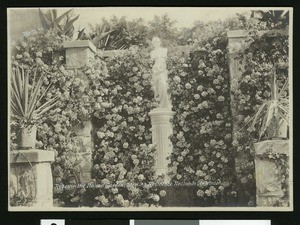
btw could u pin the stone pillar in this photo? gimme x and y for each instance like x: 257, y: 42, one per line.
x: 85, y: 143
x: 236, y: 42
x: 161, y: 131
x: 31, y: 176
x: 270, y: 174
x: 78, y: 54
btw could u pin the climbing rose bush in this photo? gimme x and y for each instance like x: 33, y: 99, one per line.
x: 202, y: 124
x: 124, y: 154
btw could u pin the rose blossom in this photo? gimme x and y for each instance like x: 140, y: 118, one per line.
x: 162, y: 193
x: 188, y: 86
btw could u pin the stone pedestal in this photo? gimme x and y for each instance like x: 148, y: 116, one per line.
x: 31, y: 176
x: 270, y: 174
x: 78, y: 53
x: 161, y: 131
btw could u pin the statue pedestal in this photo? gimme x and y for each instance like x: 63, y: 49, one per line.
x: 161, y: 130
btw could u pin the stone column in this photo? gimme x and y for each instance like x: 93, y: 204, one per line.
x: 161, y: 131
x: 78, y: 54
x: 236, y: 42
x: 270, y: 174
x: 85, y: 142
x: 31, y: 176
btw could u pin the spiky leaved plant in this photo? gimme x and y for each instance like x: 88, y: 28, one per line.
x: 272, y: 112
x: 50, y: 20
x: 26, y: 97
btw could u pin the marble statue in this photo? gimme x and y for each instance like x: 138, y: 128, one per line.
x: 160, y: 74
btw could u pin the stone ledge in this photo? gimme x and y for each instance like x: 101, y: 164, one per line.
x: 278, y: 193
x: 111, y: 53
x: 33, y: 156
x: 275, y: 146
x: 80, y: 44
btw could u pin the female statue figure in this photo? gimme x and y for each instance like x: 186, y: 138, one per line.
x: 160, y: 74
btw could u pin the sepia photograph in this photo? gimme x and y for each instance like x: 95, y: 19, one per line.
x: 150, y: 109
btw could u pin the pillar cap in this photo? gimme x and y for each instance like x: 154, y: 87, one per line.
x: 274, y: 146
x: 80, y: 44
x: 32, y: 156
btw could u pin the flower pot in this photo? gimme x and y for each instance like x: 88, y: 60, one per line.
x: 27, y: 137
x: 278, y: 129
x: 282, y: 129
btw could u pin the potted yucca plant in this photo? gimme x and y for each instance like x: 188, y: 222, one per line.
x: 28, y: 106
x: 272, y: 117
x: 271, y: 121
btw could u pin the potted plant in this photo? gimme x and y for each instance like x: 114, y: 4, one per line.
x: 271, y: 120
x: 28, y: 106
x: 273, y: 114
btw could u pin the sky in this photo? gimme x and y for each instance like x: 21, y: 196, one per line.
x: 21, y: 19
x: 185, y: 16
x: 24, y: 19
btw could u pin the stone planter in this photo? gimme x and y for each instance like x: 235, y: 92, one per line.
x: 270, y: 189
x: 31, y: 176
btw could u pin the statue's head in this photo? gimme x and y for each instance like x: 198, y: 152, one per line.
x: 156, y: 42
